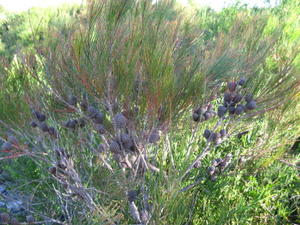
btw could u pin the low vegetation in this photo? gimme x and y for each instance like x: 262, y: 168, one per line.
x: 132, y: 112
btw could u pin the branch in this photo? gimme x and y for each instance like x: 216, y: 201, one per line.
x: 289, y: 164
x: 191, y: 185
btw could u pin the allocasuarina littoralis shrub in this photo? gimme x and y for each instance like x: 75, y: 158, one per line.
x: 125, y: 76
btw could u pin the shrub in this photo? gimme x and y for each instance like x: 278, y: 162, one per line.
x: 112, y: 124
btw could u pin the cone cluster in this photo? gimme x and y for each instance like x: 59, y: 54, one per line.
x: 218, y: 166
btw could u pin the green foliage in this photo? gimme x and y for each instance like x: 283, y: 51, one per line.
x: 21, y: 33
x: 267, y: 197
x: 160, y: 61
x: 138, y: 54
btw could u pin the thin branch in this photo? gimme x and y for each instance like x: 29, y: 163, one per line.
x: 191, y: 185
x: 289, y: 164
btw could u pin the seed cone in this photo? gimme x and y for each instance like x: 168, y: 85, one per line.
x: 98, y: 118
x: 72, y: 100
x: 231, y: 86
x: 40, y: 116
x: 242, y: 81
x: 222, y: 111
x: 226, y: 104
x: 216, y: 162
x: 207, y: 133
x: 213, y: 136
x: 231, y: 110
x: 52, y: 170
x: 81, y: 122
x: 120, y: 120
x: 211, y: 170
x: 196, y: 117
x: 52, y: 131
x: 60, y: 152
x: 154, y: 136
x: 71, y: 124
x: 207, y: 115
x: 248, y: 97
x: 33, y: 124
x: 237, y: 98
x: 227, y: 97
x: 44, y: 127
x: 62, y: 164
x: 239, y: 110
x: 114, y: 147
x: 223, y: 133
x: 197, y: 164
x: 251, y: 105
x: 198, y: 110
x: 132, y: 195
x: 92, y: 112
x: 84, y: 106
x: 100, y: 128
x: 127, y: 141
x: 222, y: 165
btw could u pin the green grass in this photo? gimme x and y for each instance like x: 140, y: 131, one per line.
x: 270, y: 196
